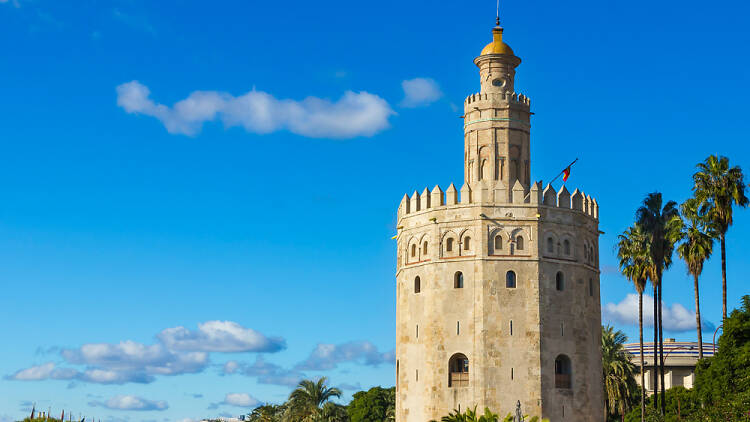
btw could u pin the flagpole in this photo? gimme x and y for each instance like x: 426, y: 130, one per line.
x: 556, y: 177
x: 563, y: 171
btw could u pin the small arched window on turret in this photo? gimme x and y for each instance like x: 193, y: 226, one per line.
x: 510, y: 280
x: 449, y: 245
x: 498, y: 243
x: 550, y: 245
x: 566, y: 246
x: 417, y: 285
x: 424, y: 248
x: 467, y: 243
x: 458, y: 280
x: 413, y: 251
x: 519, y: 243
x: 559, y: 281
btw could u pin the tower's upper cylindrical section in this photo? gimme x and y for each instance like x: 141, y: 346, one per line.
x: 497, y: 65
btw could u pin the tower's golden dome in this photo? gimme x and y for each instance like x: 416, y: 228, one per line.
x: 497, y: 46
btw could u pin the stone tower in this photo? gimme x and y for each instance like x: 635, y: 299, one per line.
x: 498, y: 283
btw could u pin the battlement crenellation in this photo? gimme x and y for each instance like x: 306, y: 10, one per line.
x: 496, y: 194
x: 502, y: 98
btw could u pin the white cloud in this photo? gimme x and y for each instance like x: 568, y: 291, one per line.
x: 265, y: 372
x: 132, y: 357
x: 241, y: 400
x: 178, y: 351
x: 231, y: 367
x: 219, y: 336
x: 42, y: 372
x: 328, y: 356
x: 353, y: 115
x: 675, y: 318
x: 420, y: 92
x: 127, y: 402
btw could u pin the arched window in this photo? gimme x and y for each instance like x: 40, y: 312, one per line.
x: 591, y: 287
x: 424, y: 248
x: 562, y: 372
x: 417, y: 285
x: 413, y: 251
x: 519, y: 243
x: 458, y: 280
x: 559, y: 281
x: 510, y: 280
x: 449, y: 245
x: 566, y: 246
x: 498, y: 242
x: 467, y: 243
x: 550, y: 245
x: 458, y: 371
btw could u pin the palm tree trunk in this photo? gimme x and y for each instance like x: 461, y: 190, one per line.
x: 643, y: 377
x: 698, y: 317
x: 661, y: 353
x: 723, y: 278
x: 656, y: 344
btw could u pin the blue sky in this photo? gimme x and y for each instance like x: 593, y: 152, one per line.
x: 165, y: 261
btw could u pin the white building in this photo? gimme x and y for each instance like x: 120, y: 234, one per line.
x: 680, y: 358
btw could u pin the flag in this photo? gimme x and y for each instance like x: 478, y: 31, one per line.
x: 566, y: 174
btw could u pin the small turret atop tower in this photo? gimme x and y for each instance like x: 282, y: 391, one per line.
x: 497, y: 64
x: 497, y: 122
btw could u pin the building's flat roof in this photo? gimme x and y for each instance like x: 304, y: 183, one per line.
x: 683, y: 349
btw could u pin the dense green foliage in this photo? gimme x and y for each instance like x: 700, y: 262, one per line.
x: 311, y: 402
x: 377, y: 404
x: 620, y: 388
x: 722, y: 382
x: 727, y: 374
x: 471, y: 415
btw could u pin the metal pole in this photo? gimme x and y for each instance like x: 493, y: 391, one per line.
x: 716, y: 331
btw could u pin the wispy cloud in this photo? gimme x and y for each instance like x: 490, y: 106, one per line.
x: 219, y: 336
x: 353, y: 115
x: 329, y: 356
x: 138, y: 23
x: 419, y: 92
x: 178, y: 351
x: 127, y: 402
x: 240, y: 400
x: 265, y: 372
x: 15, y: 3
x: 675, y: 318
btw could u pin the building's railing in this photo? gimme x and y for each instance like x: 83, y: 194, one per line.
x: 459, y: 379
x: 562, y: 381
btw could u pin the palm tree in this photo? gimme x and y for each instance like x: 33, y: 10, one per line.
x: 307, y: 400
x: 695, y: 250
x: 618, y: 371
x: 635, y: 264
x: 717, y: 187
x: 662, y: 226
x: 332, y: 412
x: 470, y: 416
x: 267, y: 413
